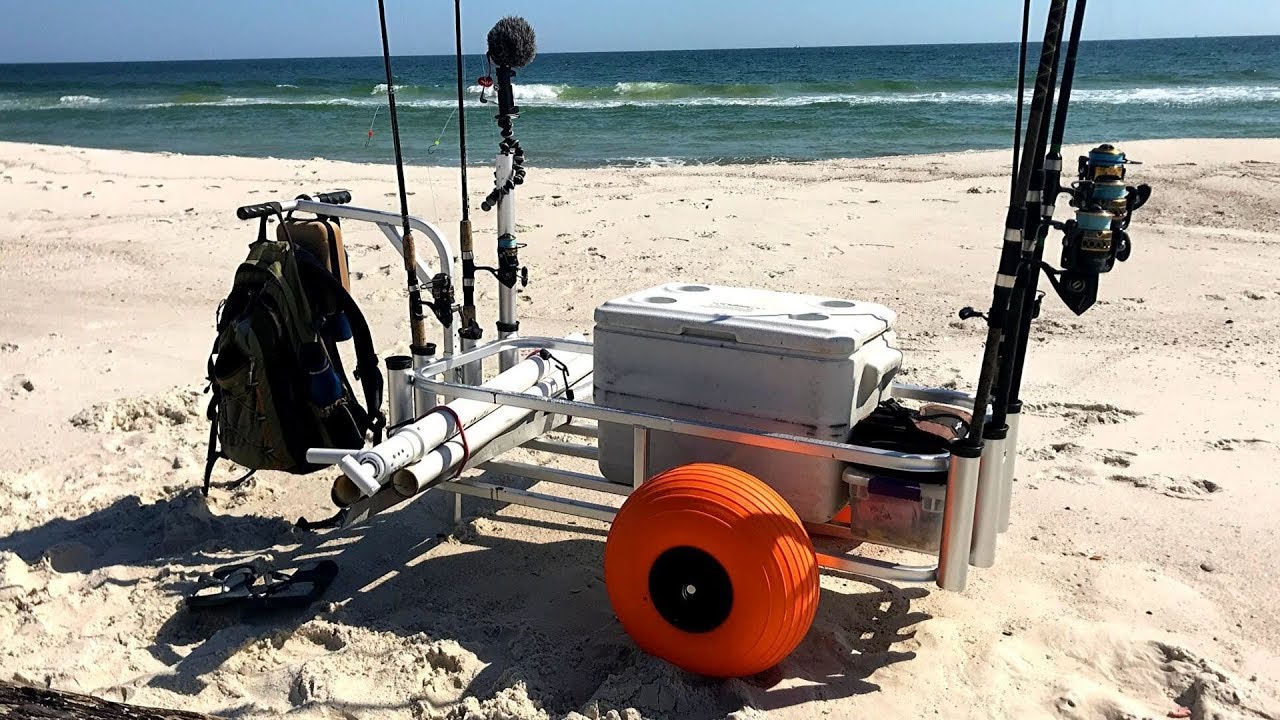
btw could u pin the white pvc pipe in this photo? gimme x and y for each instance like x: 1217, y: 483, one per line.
x: 982, y: 552
x: 413, y: 478
x: 327, y: 456
x: 506, y: 202
x: 369, y: 469
x: 506, y: 211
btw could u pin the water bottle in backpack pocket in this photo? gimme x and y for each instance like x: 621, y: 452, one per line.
x: 324, y: 386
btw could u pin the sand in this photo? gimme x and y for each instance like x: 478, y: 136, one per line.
x: 1139, y: 575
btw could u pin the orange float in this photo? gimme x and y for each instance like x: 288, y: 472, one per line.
x: 710, y: 569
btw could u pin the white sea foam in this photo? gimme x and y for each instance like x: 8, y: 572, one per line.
x: 624, y: 88
x: 547, y: 95
x: 1167, y: 96
x: 535, y: 92
x: 1205, y: 95
x: 648, y: 162
x: 80, y: 100
x: 286, y: 85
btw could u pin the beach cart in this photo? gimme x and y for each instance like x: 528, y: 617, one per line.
x: 743, y: 439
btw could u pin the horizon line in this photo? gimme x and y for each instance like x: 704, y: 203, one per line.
x: 621, y: 52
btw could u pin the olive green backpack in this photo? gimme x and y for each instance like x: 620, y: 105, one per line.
x: 276, y: 377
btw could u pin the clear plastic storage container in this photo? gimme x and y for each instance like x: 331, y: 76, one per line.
x: 895, y: 512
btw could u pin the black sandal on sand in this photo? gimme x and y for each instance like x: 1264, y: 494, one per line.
x: 247, y: 587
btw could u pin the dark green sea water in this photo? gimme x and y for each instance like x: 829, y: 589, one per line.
x: 674, y: 107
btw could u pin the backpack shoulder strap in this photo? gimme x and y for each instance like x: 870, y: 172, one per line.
x: 212, y: 458
x: 367, y: 370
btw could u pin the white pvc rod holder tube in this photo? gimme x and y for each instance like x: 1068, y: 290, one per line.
x: 413, y: 478
x: 957, y: 522
x: 370, y: 469
x: 982, y: 552
x: 1006, y: 475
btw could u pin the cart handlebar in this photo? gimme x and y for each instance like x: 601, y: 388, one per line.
x: 249, y: 212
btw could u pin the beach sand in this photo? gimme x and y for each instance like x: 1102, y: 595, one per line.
x: 1139, y: 574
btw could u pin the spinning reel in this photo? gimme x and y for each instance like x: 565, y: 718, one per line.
x: 1097, y: 238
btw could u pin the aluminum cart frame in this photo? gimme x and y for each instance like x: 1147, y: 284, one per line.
x: 978, y: 489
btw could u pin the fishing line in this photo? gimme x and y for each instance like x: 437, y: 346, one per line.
x: 368, y: 139
x: 431, y: 150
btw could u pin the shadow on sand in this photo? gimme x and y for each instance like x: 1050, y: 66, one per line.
x: 544, y: 614
x: 176, y: 530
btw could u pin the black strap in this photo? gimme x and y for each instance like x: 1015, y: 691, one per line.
x: 214, y: 452
x: 212, y: 458
x: 212, y: 413
x: 367, y: 370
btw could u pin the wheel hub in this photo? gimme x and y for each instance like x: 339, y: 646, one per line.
x: 690, y: 589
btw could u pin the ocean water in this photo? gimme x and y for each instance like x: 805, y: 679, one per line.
x: 640, y: 108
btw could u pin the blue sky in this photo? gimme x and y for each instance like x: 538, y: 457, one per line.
x: 103, y: 30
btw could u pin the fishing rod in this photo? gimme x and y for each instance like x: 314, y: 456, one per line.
x: 1009, y: 393
x: 1022, y: 86
x: 1039, y: 200
x: 512, y: 45
x: 1104, y: 204
x: 419, y: 348
x: 1011, y: 248
x: 471, y: 332
x: 979, y: 460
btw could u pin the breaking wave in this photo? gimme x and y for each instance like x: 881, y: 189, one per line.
x: 647, y: 94
x: 80, y: 100
x: 535, y: 92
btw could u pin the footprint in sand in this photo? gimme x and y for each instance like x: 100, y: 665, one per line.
x: 1234, y: 443
x: 21, y: 385
x: 1081, y: 416
x: 1123, y: 676
x: 1182, y: 487
x: 1108, y: 456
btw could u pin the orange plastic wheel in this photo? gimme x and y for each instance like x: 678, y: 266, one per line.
x: 844, y: 516
x: 711, y: 570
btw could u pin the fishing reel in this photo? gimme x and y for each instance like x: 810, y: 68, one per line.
x: 509, y: 270
x: 442, y: 298
x: 1098, y: 236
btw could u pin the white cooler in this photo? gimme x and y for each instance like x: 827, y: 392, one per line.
x: 767, y: 361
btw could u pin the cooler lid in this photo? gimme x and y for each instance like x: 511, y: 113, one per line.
x: 760, y: 318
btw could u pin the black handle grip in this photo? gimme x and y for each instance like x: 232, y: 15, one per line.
x: 248, y: 212
x: 337, y: 197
